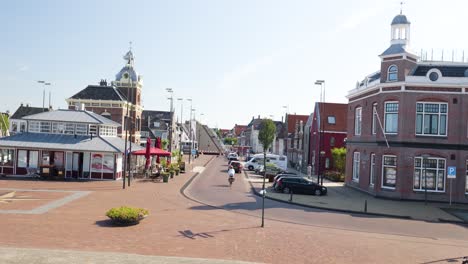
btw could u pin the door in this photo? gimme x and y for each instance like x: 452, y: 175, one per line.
x: 77, y: 167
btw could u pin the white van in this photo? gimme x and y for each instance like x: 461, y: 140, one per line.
x: 257, y: 160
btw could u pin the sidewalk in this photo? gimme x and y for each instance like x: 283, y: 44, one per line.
x: 345, y: 199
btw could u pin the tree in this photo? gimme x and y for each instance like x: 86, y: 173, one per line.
x: 339, y: 158
x: 164, y: 143
x: 265, y: 136
x: 4, y: 124
x: 230, y: 141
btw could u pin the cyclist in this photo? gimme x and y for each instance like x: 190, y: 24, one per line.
x: 231, y: 173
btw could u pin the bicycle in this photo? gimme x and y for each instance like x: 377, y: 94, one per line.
x: 230, y: 180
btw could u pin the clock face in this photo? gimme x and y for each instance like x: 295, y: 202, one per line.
x: 433, y: 76
x: 125, y: 75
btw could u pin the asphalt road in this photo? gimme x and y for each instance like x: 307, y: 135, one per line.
x: 211, y: 188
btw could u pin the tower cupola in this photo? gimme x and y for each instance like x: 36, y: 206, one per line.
x: 400, y: 30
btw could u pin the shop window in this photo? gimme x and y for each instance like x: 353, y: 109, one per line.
x: 429, y: 174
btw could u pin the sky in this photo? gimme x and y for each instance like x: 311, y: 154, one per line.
x: 235, y: 59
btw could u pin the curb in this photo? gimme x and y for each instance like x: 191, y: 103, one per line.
x: 326, y: 208
x: 182, y: 190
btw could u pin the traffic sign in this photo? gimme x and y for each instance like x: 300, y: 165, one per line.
x: 452, y: 172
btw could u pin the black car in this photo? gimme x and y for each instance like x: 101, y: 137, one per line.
x: 300, y: 185
x: 283, y: 175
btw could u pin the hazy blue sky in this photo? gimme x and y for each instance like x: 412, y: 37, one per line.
x: 235, y: 59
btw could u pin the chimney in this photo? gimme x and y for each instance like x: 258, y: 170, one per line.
x: 82, y: 106
x: 103, y: 82
x: 258, y: 116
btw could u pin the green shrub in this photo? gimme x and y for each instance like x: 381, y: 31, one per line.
x: 126, y: 215
x: 335, y: 176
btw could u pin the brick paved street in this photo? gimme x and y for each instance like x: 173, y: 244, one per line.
x: 180, y: 227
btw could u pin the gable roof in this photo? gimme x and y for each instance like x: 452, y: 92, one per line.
x: 77, y: 116
x: 100, y: 92
x: 27, y: 110
x: 238, y: 129
x: 339, y: 111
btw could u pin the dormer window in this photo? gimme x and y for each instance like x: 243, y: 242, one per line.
x: 392, y: 73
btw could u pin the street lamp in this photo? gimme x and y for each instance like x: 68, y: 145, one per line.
x: 321, y: 117
x: 181, y: 122
x: 424, y: 160
x: 169, y: 90
x: 190, y: 130
x: 43, y: 93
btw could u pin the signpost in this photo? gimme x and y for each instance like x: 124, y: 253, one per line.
x: 451, y: 174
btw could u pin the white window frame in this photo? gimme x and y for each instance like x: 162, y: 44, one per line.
x: 372, y: 170
x: 358, y: 121
x: 69, y: 128
x: 384, y: 166
x: 395, y: 72
x: 439, y: 114
x: 356, y: 166
x: 391, y: 113
x: 374, y: 119
x: 34, y: 126
x: 81, y: 129
x: 438, y: 170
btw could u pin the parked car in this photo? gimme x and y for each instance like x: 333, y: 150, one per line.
x: 232, y: 155
x: 231, y: 160
x: 281, y: 175
x: 237, y: 165
x: 300, y: 185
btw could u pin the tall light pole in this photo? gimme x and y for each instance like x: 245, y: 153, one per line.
x: 181, y: 122
x: 43, y: 93
x: 171, y: 111
x: 321, y: 136
x: 190, y: 130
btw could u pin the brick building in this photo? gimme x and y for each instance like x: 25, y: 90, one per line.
x: 113, y: 100
x: 407, y: 123
x: 327, y: 131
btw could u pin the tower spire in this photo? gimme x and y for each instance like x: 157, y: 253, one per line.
x: 401, y: 8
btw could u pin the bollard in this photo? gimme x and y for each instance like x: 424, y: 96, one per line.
x: 290, y: 196
x: 365, y: 206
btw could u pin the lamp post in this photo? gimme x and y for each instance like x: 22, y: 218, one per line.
x: 190, y: 130
x: 169, y: 90
x: 181, y: 122
x: 424, y: 160
x: 321, y: 122
x: 43, y: 93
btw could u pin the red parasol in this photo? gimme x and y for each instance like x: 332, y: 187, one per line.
x: 148, y: 153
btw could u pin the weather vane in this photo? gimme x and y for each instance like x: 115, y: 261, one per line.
x: 401, y: 7
x: 130, y: 43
